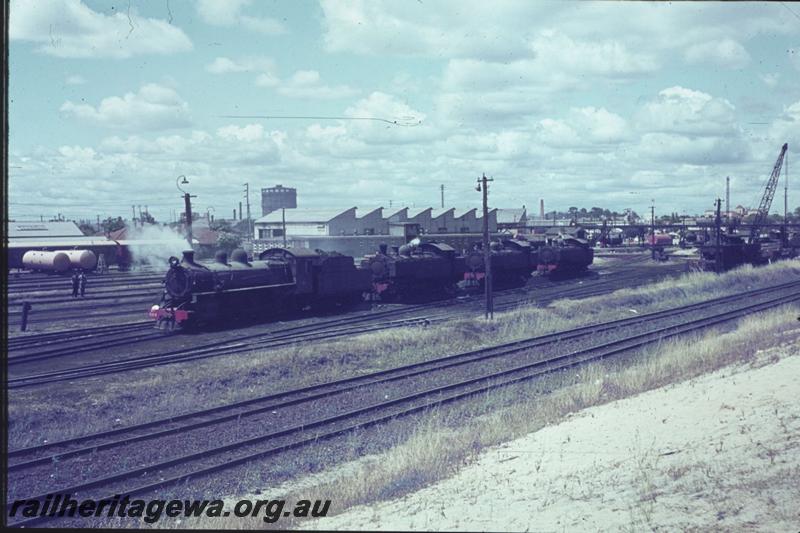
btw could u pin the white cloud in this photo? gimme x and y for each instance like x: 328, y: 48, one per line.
x: 70, y: 29
x: 225, y: 65
x: 445, y: 28
x: 725, y: 53
x: 153, y: 107
x: 411, y: 126
x: 249, y: 133
x: 307, y: 84
x: 786, y: 127
x: 75, y: 79
x: 694, y: 150
x: 681, y: 110
x: 556, y: 50
x: 229, y: 13
x: 770, y: 79
x: 583, y: 128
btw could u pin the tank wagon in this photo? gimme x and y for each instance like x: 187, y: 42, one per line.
x: 416, y: 267
x: 59, y: 260
x: 282, y: 279
x: 565, y: 256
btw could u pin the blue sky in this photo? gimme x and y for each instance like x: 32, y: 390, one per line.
x: 580, y: 103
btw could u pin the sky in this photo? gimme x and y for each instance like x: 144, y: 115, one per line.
x: 583, y: 104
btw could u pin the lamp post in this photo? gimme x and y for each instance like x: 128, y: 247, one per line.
x: 187, y: 199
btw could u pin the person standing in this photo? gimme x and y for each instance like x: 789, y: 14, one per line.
x: 75, y: 283
x: 82, y: 282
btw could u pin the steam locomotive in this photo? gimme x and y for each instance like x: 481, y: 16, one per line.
x: 282, y: 279
x: 565, y: 256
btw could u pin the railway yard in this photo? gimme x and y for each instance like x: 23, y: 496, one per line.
x: 103, y: 404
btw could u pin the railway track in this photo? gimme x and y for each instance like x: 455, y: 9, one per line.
x: 319, y: 331
x: 320, y: 412
x: 60, y: 282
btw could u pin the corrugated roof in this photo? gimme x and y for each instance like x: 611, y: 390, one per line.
x: 304, y: 215
x: 416, y: 211
x: 509, y: 216
x: 33, y: 230
x: 463, y: 211
x: 392, y: 211
x: 441, y: 211
x: 361, y: 212
x: 60, y: 242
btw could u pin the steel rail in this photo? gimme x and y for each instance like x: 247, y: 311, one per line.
x: 479, y: 384
x: 383, y: 376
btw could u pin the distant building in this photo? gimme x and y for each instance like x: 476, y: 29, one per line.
x: 277, y: 197
x: 43, y: 230
x: 402, y: 221
x: 512, y: 219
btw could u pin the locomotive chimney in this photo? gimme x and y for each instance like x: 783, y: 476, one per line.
x: 188, y: 256
x: 383, y: 248
x: 221, y: 257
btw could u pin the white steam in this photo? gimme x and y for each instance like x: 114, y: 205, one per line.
x: 153, y: 245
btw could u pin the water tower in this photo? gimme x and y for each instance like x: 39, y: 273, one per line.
x: 277, y: 197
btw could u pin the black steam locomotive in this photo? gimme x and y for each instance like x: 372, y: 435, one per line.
x: 282, y: 279
x: 565, y: 256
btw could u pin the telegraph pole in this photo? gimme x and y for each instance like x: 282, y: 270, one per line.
x: 728, y: 201
x: 133, y: 217
x: 442, y: 188
x: 653, y: 228
x: 718, y: 224
x: 483, y: 186
x: 283, y: 223
x: 249, y: 220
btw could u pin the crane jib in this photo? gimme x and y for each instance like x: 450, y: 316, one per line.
x: 769, y: 194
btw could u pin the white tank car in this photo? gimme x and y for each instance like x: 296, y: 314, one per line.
x: 47, y: 261
x: 81, y: 259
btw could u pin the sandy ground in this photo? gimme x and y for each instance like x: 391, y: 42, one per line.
x: 721, y: 452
